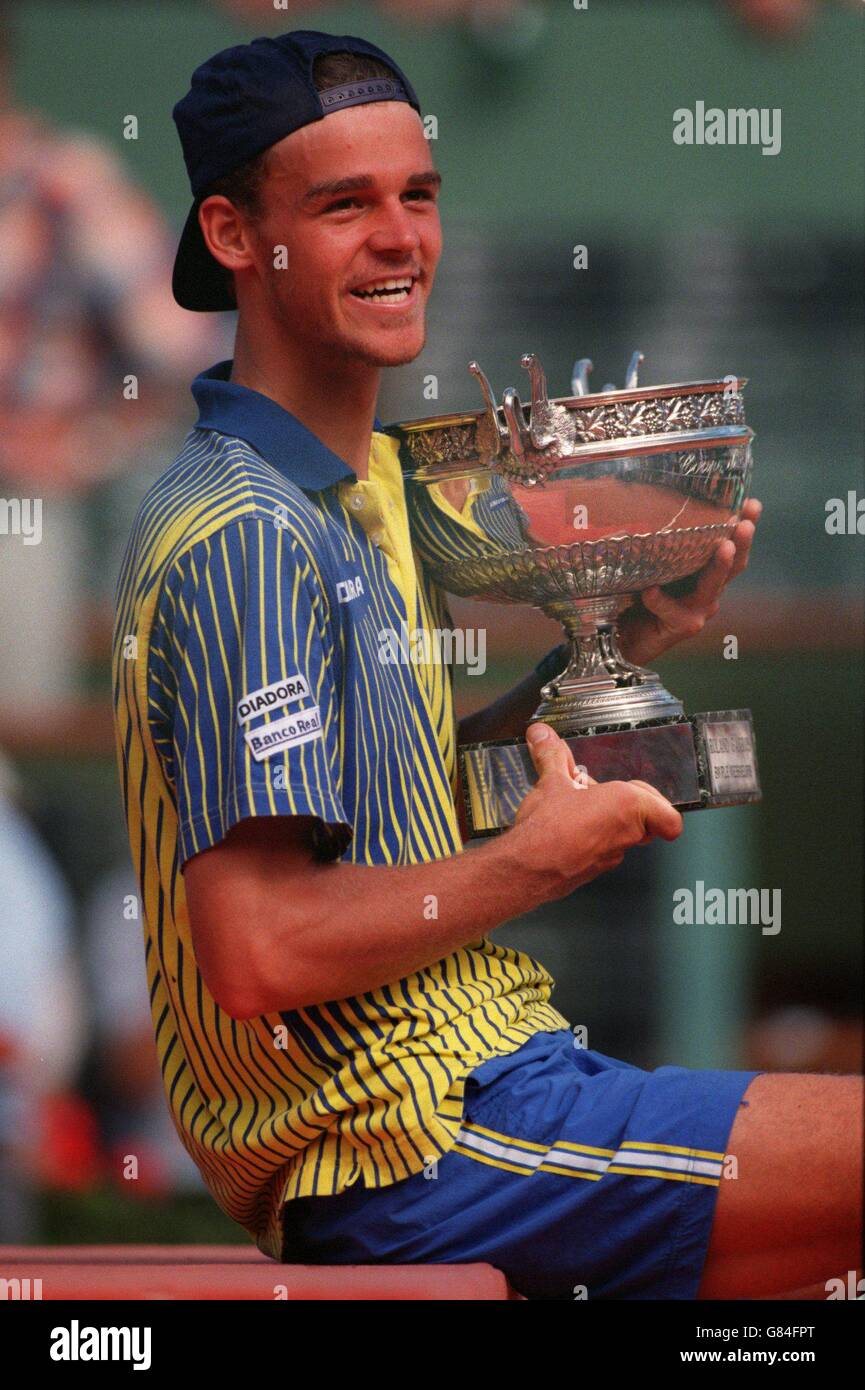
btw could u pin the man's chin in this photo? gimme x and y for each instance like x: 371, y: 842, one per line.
x: 384, y: 354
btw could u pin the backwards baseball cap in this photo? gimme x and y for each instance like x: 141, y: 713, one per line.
x: 242, y: 101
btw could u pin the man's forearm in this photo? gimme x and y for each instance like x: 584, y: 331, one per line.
x: 508, y: 716
x: 358, y: 927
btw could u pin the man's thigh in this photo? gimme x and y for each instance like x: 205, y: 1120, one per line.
x: 576, y: 1174
x: 792, y: 1217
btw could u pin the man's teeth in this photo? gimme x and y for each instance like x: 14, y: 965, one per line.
x: 386, y: 291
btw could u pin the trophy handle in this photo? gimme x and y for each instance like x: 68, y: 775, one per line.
x: 580, y: 376
x: 489, y: 433
x: 549, y: 423
x: 632, y: 373
x: 519, y: 433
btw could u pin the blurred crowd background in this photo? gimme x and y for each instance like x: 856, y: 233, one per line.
x: 553, y: 129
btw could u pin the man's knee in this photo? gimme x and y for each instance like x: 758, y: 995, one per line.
x: 798, y: 1144
x: 790, y: 1212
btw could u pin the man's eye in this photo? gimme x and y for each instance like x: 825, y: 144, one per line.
x: 343, y: 203
x: 420, y: 194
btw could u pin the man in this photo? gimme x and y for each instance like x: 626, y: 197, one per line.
x: 334, y: 1023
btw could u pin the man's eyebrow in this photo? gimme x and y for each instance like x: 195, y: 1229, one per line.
x: 429, y: 176
x: 333, y: 187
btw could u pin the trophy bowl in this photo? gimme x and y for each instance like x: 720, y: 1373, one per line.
x: 574, y: 505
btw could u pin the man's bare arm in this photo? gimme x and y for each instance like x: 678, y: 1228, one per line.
x: 328, y: 931
x: 508, y: 716
x: 274, y: 929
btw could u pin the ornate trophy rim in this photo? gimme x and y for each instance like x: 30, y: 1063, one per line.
x: 623, y: 446
x: 623, y: 396
x: 527, y: 443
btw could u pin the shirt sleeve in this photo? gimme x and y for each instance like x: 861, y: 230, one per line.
x: 243, y: 690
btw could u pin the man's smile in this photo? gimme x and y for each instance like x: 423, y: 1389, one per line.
x: 390, y: 291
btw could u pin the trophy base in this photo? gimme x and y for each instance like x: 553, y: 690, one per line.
x: 698, y: 763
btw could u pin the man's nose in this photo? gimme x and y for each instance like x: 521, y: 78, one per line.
x: 395, y: 229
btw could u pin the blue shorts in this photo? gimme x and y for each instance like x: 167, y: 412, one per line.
x: 577, y: 1175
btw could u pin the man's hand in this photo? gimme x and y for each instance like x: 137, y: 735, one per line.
x: 575, y: 828
x: 662, y: 617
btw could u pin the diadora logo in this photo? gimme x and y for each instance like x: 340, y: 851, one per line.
x: 269, y: 697
x: 347, y: 589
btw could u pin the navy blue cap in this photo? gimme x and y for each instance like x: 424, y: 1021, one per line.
x: 242, y: 101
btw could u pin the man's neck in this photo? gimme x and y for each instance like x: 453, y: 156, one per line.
x: 335, y: 399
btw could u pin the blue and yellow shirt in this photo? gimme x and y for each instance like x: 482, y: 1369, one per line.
x: 249, y: 680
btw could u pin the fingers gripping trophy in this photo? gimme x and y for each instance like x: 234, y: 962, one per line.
x: 574, y: 505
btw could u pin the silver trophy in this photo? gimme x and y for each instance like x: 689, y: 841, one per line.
x: 574, y: 505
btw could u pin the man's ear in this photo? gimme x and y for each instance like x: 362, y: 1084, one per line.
x: 226, y: 232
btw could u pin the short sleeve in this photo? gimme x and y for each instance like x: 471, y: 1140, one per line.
x: 242, y: 685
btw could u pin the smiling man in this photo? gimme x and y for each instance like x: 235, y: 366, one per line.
x: 334, y: 1022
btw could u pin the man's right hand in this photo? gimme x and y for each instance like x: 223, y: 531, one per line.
x: 574, y: 828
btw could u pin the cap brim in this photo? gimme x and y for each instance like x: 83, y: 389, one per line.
x: 199, y: 282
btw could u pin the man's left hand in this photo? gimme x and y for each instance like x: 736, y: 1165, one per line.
x: 661, y: 617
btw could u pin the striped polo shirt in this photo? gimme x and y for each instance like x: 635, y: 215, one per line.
x: 260, y: 668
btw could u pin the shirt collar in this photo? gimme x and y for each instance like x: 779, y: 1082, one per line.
x: 272, y: 430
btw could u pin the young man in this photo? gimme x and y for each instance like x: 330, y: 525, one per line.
x: 334, y: 1023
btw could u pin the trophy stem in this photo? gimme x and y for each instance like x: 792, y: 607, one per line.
x: 599, y: 688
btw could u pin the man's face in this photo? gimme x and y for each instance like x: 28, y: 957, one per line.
x: 353, y: 198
